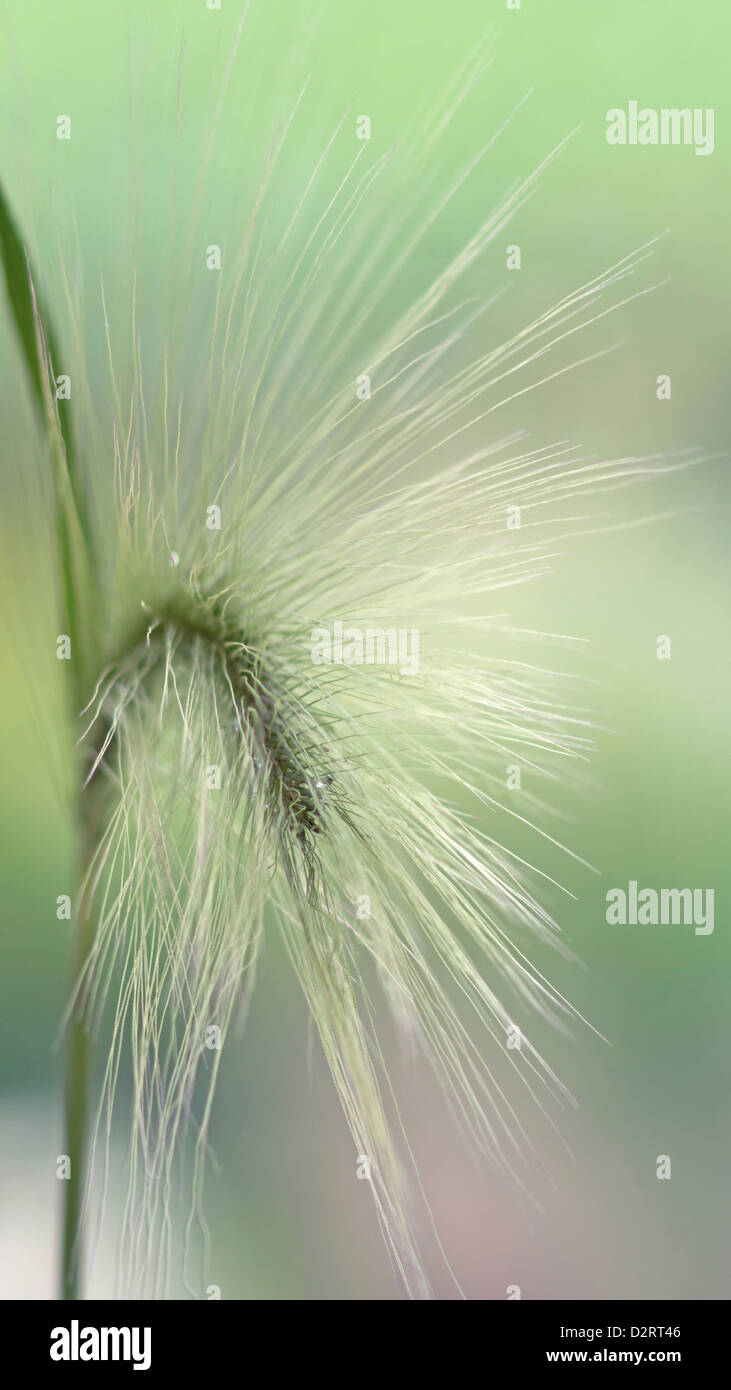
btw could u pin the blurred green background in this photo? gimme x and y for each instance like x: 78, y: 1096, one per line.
x: 287, y: 1218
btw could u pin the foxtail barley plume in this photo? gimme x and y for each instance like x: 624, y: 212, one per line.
x: 285, y: 513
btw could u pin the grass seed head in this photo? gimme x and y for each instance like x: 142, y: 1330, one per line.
x: 307, y: 441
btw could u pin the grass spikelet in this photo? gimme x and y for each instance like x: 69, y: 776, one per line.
x: 287, y: 715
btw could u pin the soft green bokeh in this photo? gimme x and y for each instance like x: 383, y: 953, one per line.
x: 289, y: 1221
